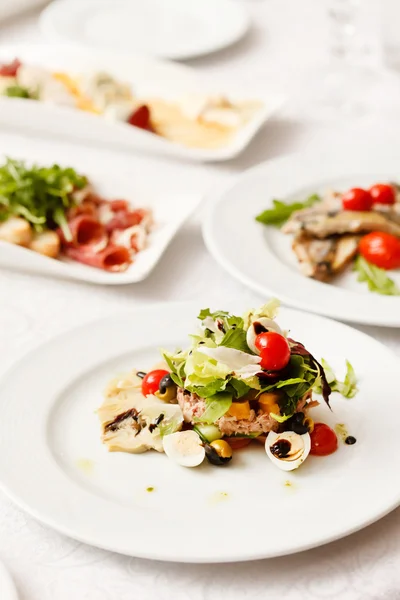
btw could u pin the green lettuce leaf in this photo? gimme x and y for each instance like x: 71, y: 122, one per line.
x: 216, y: 407
x: 348, y: 387
x: 236, y: 338
x: 377, y: 279
x: 239, y: 387
x: 281, y: 211
x: 269, y: 310
x: 210, y: 389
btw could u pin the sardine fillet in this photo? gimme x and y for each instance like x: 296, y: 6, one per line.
x: 323, y: 259
x: 326, y: 225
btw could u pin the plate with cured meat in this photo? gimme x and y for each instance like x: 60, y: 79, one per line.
x: 58, y: 221
x: 129, y: 101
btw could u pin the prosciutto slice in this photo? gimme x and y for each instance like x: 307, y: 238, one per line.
x: 87, y: 232
x: 112, y: 258
x: 123, y: 219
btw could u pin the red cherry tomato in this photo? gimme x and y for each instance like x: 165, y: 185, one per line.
x: 236, y: 443
x: 274, y: 350
x: 381, y: 249
x: 382, y: 193
x: 151, y: 381
x: 357, y: 199
x: 11, y: 69
x: 141, y: 118
x: 323, y: 440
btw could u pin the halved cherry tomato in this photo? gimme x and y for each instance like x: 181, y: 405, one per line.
x: 10, y: 70
x: 274, y: 350
x: 357, y: 199
x: 236, y: 443
x: 382, y: 193
x: 151, y: 381
x: 141, y: 118
x: 323, y: 440
x: 381, y: 249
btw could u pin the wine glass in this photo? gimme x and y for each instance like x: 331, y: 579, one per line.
x: 353, y: 81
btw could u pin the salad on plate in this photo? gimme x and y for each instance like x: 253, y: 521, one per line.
x: 358, y: 227
x: 56, y: 212
x: 241, y: 379
x: 198, y: 121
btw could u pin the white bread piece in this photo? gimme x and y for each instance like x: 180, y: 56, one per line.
x: 47, y: 243
x: 16, y: 231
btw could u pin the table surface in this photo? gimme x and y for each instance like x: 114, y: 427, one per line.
x: 48, y: 566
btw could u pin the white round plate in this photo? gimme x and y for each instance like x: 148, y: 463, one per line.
x: 246, y: 511
x: 262, y: 258
x: 174, y: 29
x: 7, y: 588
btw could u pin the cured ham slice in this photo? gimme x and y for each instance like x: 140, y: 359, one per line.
x: 113, y: 258
x: 10, y: 69
x: 87, y: 232
x: 133, y: 238
x: 123, y: 219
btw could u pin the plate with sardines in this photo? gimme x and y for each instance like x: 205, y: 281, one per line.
x: 322, y: 235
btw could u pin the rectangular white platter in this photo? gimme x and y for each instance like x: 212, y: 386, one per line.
x: 170, y: 210
x: 147, y: 77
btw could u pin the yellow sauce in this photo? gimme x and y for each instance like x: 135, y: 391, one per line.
x: 85, y: 465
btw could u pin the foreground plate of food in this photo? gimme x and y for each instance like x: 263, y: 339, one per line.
x: 322, y: 233
x: 58, y: 221
x: 136, y: 102
x: 158, y: 421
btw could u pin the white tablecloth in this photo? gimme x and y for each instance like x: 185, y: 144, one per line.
x: 48, y: 566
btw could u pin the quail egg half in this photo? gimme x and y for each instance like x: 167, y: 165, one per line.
x: 260, y: 326
x: 287, y: 450
x: 185, y: 448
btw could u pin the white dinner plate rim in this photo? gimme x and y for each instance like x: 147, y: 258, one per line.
x: 183, y: 557
x: 380, y: 318
x: 50, y: 30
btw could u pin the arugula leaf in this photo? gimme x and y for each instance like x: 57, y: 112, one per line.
x: 282, y: 211
x: 177, y: 372
x: 41, y: 195
x: 348, y: 387
x: 377, y: 279
x: 216, y: 407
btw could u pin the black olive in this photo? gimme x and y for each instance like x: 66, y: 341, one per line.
x: 350, y: 440
x: 141, y: 374
x: 299, y: 428
x: 165, y: 383
x: 298, y: 417
x: 214, y: 458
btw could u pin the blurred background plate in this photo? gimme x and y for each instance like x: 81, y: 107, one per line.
x: 177, y: 29
x: 262, y: 257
